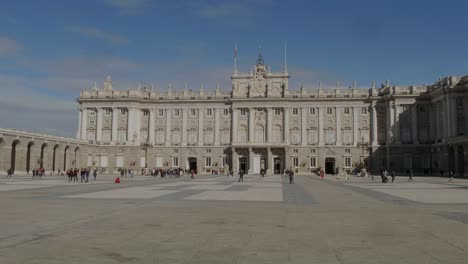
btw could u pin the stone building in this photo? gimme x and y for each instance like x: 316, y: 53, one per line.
x: 262, y: 123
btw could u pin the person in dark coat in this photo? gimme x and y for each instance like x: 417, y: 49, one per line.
x: 241, y: 176
x: 291, y: 176
x: 393, y: 176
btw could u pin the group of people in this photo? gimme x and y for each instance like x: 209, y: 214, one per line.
x: 84, y: 173
x: 38, y: 173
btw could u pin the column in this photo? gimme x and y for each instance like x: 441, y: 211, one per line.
x: 99, y: 124
x: 270, y: 165
x: 447, y: 121
x: 168, y: 127
x: 200, y: 126
x: 338, y: 126
x: 184, y: 126
x: 137, y: 126
x: 115, y: 120
x: 78, y: 132
x: 287, y: 159
x: 235, y: 161
x: 374, y: 124
x: 320, y: 125
x: 286, y: 125
x: 251, y: 126
x: 453, y: 107
x: 84, y: 123
x: 390, y: 120
x: 270, y: 113
x: 152, y: 117
x: 303, y: 127
x: 355, y: 125
x: 396, y: 122
x: 234, y: 117
x: 437, y: 123
x: 414, y: 124
x: 130, y: 122
x: 216, y: 132
x: 251, y: 161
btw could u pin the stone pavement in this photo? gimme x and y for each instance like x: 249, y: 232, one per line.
x: 215, y: 219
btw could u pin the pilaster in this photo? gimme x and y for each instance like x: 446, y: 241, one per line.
x: 184, y: 127
x: 338, y: 126
x: 99, y: 124
x: 270, y: 165
x: 286, y: 125
x: 303, y: 127
x: 115, y: 120
x: 320, y: 125
x: 270, y: 113
x: 251, y: 126
x: 168, y: 127
x: 251, y: 161
x: 355, y: 125
x: 217, y: 123
x: 200, y: 126
x: 414, y: 124
x: 235, y: 114
x: 374, y: 123
x: 84, y: 123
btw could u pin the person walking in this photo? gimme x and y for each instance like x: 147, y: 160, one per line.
x: 192, y: 174
x: 346, y: 175
x: 322, y: 174
x: 262, y: 173
x: 291, y: 176
x: 241, y: 176
x: 393, y: 176
x: 410, y: 175
x: 451, y: 176
x: 94, y: 175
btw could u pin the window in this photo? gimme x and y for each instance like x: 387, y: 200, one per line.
x: 176, y: 112
x: 226, y: 112
x: 193, y: 112
x: 296, y: 162
x: 243, y: 112
x: 329, y: 110
x: 312, y: 151
x: 208, y: 151
x: 108, y: 111
x: 422, y: 108
x: 259, y: 134
x: 123, y: 111
x: 296, y: 151
x: 91, y: 121
x: 347, y: 161
x: 313, y: 162
x: 347, y: 150
x: 208, y: 162
x: 346, y: 110
x: 312, y: 111
x: 364, y: 111
x: 92, y: 113
x: 295, y: 111
x: 145, y: 112
x: 243, y: 134
x: 175, y: 162
x: 209, y: 112
x: 277, y: 111
x: 295, y: 136
x: 161, y: 112
x: 176, y: 151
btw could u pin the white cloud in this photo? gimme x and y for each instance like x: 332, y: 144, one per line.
x: 128, y: 6
x: 9, y: 47
x: 24, y: 108
x: 97, y: 33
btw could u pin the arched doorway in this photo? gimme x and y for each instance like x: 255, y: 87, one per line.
x: 13, y: 154
x: 54, y: 156
x: 65, y: 152
x: 329, y: 165
x: 28, y: 158
x: 75, y: 162
x: 43, y: 149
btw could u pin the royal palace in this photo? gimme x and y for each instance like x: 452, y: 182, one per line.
x: 259, y: 124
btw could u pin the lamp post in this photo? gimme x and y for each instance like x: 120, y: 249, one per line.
x: 145, y: 145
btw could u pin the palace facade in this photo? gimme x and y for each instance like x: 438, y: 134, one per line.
x: 262, y: 123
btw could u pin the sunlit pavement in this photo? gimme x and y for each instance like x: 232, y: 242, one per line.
x: 216, y: 219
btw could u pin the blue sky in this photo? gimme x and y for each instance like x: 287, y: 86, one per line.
x: 51, y: 50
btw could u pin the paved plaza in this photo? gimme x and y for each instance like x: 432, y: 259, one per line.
x: 216, y: 219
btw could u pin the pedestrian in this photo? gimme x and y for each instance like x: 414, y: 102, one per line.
x: 371, y: 173
x: 94, y: 175
x: 346, y: 175
x: 192, y: 174
x: 241, y: 176
x: 291, y: 176
x: 451, y: 175
x: 262, y: 173
x: 410, y: 175
x: 322, y: 174
x: 393, y: 176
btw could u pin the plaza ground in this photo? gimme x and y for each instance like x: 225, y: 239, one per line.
x: 215, y: 219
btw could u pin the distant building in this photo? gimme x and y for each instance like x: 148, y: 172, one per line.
x: 261, y: 123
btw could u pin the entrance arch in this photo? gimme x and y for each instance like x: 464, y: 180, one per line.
x: 13, y: 154
x: 54, y: 157
x: 75, y: 162
x: 28, y: 157
x: 329, y: 165
x: 43, y: 149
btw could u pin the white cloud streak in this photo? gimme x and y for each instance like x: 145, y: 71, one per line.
x: 98, y: 34
x: 9, y: 47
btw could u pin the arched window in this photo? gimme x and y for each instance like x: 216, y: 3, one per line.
x: 330, y: 136
x: 277, y: 135
x: 259, y: 134
x: 160, y: 137
x: 175, y: 137
x: 347, y: 136
x: 295, y: 136
x: 312, y: 136
x: 243, y: 134
x: 208, y: 136
x: 192, y: 137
